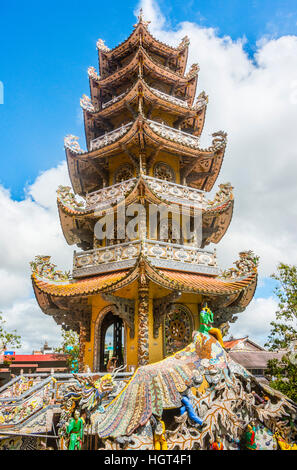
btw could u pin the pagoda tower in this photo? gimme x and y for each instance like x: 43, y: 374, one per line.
x: 137, y: 298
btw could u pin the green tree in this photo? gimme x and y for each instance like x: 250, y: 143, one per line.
x: 69, y: 347
x: 8, y: 339
x: 284, y: 373
x: 284, y: 333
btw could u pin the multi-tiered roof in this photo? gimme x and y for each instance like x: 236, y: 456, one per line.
x: 141, y: 116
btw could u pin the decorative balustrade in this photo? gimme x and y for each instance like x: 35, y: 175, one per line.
x: 171, y: 192
x: 157, y: 92
x: 170, y: 98
x: 113, y: 100
x: 176, y: 193
x: 174, y: 134
x: 110, y: 137
x: 107, y: 196
x: 166, y: 191
x: 160, y: 254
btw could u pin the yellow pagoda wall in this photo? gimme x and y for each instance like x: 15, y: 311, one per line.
x: 171, y: 160
x: 156, y: 347
x: 115, y: 163
x: 121, y: 159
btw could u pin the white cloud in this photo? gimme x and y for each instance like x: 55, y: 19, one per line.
x: 255, y: 102
x: 32, y: 325
x: 43, y: 190
x: 255, y: 320
x: 30, y: 227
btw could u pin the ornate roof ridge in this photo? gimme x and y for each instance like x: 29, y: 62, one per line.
x: 201, y: 101
x: 162, y: 130
x: 237, y: 285
x: 247, y: 264
x: 81, y: 287
x: 184, y: 44
x: 43, y: 268
x: 193, y: 72
x: 168, y: 278
x: 70, y: 205
x: 170, y: 133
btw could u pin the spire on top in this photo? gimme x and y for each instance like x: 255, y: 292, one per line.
x: 141, y: 19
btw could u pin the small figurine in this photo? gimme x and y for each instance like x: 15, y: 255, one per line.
x: 206, y: 319
x: 283, y: 445
x: 258, y: 400
x: 250, y: 435
x: 217, y: 445
x: 76, y: 430
x: 112, y: 363
x: 188, y: 407
x: 160, y: 442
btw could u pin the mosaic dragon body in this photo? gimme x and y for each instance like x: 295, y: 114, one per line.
x: 222, y: 394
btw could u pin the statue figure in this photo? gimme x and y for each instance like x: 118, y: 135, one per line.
x: 41, y: 266
x: 247, y: 264
x: 283, y: 445
x: 217, y: 445
x: 250, y: 435
x: 111, y: 364
x: 188, y: 407
x: 221, y: 402
x: 76, y: 430
x: 90, y: 392
x: 68, y: 198
x: 219, y: 139
x: 206, y: 319
x: 160, y: 442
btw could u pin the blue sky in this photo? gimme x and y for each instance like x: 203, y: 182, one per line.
x: 247, y: 52
x: 47, y: 47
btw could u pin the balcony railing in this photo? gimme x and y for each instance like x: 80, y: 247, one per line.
x: 160, y: 254
x: 161, y: 129
x: 107, y: 196
x: 170, y: 98
x: 176, y: 193
x: 109, y: 137
x: 171, y: 192
x: 176, y: 135
x: 113, y: 100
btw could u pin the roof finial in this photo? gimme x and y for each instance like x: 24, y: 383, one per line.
x: 141, y: 19
x: 140, y: 16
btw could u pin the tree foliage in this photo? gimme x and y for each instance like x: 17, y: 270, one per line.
x: 284, y: 375
x: 284, y: 333
x: 11, y: 339
x: 70, y: 348
x: 286, y: 291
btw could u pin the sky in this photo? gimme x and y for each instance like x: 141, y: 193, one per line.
x: 247, y: 52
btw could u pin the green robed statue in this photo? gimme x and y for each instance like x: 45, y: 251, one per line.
x: 76, y: 430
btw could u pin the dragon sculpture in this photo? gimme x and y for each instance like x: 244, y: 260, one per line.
x: 87, y: 395
x: 42, y: 266
x: 221, y: 397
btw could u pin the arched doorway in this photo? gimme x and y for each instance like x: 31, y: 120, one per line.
x: 109, y: 339
x: 111, y: 344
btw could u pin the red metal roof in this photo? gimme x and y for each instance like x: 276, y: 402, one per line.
x: 39, y: 358
x: 87, y: 286
x: 230, y: 344
x: 23, y: 365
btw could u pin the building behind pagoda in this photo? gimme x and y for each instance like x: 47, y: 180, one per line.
x: 138, y: 299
